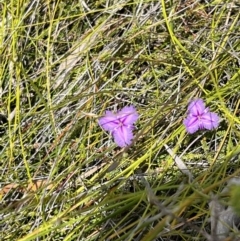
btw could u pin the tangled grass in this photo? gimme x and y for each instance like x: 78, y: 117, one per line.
x: 63, y: 63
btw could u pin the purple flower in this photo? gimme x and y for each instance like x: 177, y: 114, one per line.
x: 120, y: 125
x: 199, y: 117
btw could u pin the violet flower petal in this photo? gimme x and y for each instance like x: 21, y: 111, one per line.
x: 191, y: 123
x: 197, y: 107
x: 123, y: 136
x: 128, y: 115
x: 210, y: 120
x: 109, y: 122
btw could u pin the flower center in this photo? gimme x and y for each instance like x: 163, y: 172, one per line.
x: 120, y: 123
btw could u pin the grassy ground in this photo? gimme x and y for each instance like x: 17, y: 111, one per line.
x: 63, y: 63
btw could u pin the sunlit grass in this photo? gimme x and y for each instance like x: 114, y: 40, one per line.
x: 62, y: 65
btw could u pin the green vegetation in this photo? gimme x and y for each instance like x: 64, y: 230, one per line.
x: 63, y: 63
